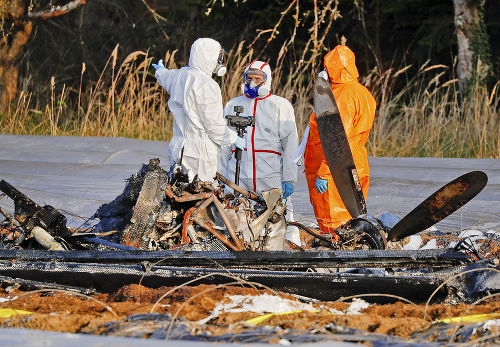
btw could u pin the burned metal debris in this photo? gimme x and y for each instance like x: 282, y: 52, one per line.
x: 177, y: 230
x: 158, y: 210
x: 156, y: 213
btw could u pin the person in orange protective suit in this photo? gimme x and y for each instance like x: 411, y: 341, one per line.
x: 357, y: 110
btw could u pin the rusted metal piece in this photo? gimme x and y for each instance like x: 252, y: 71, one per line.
x: 240, y: 190
x: 214, y: 232
x: 197, y: 216
x: 228, y: 224
x: 10, y: 217
x: 203, y: 206
x: 169, y: 192
x: 293, y: 246
x: 185, y: 224
x: 439, y: 205
x: 185, y: 196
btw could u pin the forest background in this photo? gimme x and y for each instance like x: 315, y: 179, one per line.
x: 83, y: 67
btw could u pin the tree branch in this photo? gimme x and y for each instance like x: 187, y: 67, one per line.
x: 57, y: 10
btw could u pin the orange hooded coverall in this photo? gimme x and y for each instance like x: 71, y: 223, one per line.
x: 357, y: 110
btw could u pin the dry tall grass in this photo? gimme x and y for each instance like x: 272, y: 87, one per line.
x: 424, y: 118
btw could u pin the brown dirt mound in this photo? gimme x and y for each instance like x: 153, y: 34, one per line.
x: 58, y: 311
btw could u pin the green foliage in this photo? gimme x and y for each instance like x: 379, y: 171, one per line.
x: 481, y: 48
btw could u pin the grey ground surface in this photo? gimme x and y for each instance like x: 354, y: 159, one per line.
x: 79, y: 174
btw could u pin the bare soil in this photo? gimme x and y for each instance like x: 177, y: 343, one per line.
x: 63, y: 312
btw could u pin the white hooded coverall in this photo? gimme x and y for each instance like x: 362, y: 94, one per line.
x: 266, y: 162
x: 199, y: 126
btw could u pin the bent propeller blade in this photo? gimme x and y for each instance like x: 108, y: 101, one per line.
x: 337, y: 150
x: 439, y: 205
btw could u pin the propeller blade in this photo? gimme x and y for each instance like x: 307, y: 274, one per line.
x: 337, y: 150
x: 439, y: 205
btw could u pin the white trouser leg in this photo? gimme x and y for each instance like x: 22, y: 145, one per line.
x: 292, y: 232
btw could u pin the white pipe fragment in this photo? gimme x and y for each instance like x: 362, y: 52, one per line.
x: 46, y: 240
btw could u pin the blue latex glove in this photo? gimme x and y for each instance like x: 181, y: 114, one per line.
x: 159, y: 65
x: 287, y: 188
x: 321, y: 185
x: 240, y: 143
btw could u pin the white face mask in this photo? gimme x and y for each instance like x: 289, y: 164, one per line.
x: 220, y: 70
x: 324, y: 75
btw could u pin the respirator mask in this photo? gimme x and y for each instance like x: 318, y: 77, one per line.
x: 324, y: 75
x: 254, y: 83
x: 220, y: 70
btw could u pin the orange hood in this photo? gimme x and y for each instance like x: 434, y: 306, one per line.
x: 340, y: 65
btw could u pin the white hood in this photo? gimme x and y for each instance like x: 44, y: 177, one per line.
x: 264, y: 67
x: 204, y: 55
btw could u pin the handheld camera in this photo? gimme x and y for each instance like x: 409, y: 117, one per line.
x: 239, y: 122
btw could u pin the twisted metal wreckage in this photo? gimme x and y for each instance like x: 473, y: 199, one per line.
x: 164, y: 230
x: 154, y: 213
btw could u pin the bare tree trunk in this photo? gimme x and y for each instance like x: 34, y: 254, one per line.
x: 14, y: 38
x: 16, y: 24
x: 469, y: 25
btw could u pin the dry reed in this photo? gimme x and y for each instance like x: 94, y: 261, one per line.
x: 423, y: 118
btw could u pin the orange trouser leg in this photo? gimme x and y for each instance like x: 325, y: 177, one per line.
x: 328, y: 207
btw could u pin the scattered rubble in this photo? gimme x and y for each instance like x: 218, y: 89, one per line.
x: 155, y: 212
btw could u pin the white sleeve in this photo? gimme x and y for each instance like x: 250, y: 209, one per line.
x: 163, y: 76
x: 227, y: 151
x: 209, y: 101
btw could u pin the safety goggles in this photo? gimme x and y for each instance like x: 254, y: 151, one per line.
x: 254, y: 75
x: 220, y: 60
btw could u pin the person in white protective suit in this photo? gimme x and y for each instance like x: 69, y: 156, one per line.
x: 199, y: 126
x: 266, y: 161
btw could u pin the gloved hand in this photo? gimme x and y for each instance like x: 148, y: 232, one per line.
x: 159, y: 65
x: 287, y: 188
x: 321, y: 185
x: 240, y: 143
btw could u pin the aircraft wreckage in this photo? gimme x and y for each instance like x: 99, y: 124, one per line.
x: 166, y: 230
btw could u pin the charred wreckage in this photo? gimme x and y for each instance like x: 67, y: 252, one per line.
x: 164, y: 230
x: 157, y: 213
